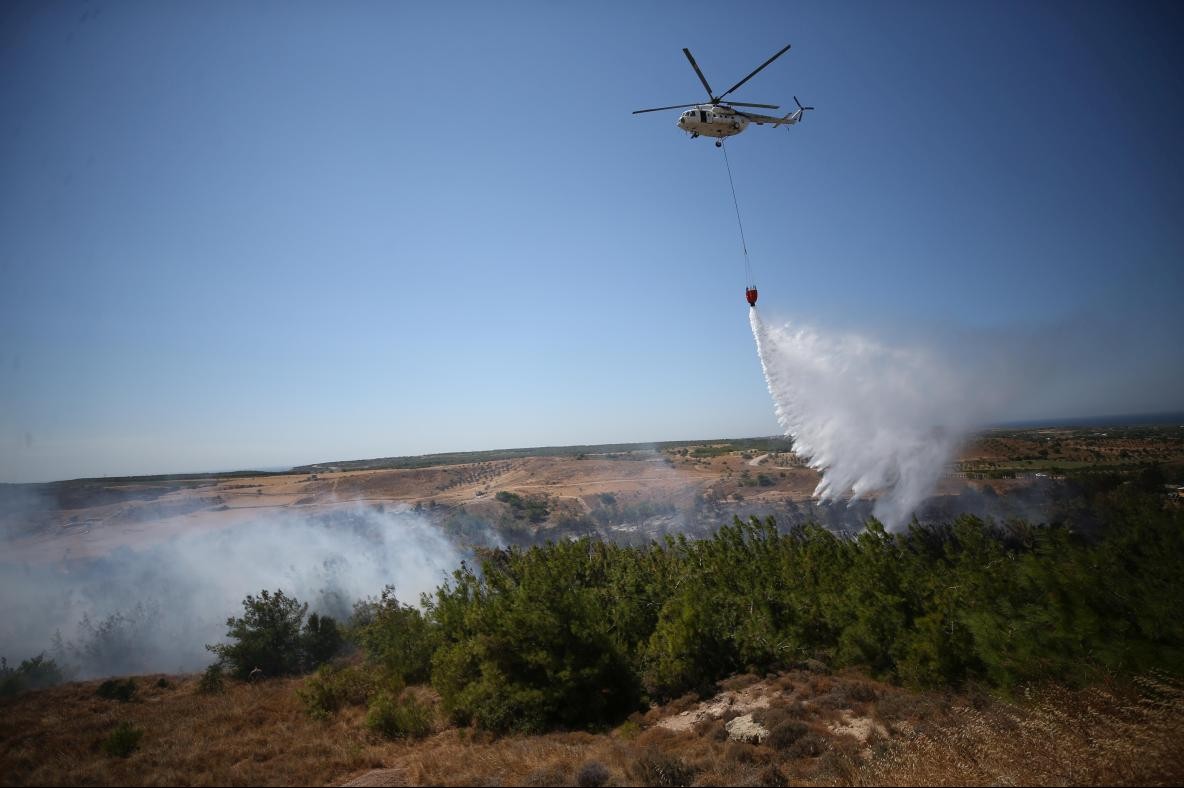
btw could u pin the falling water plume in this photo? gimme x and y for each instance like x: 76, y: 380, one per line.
x: 874, y: 421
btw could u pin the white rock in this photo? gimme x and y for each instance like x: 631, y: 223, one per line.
x: 744, y: 729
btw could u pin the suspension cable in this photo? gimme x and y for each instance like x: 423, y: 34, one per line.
x: 736, y: 203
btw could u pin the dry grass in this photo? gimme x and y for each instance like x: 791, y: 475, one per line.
x: 250, y: 735
x: 1101, y: 736
x: 260, y: 735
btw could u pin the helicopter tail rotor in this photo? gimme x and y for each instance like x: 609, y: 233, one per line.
x: 795, y: 116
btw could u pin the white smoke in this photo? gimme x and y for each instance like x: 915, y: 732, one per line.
x: 155, y: 609
x: 873, y: 420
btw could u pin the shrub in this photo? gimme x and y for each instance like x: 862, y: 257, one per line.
x: 550, y: 775
x: 212, y: 680
x: 320, y: 641
x: 859, y: 692
x: 163, y: 683
x: 592, y: 775
x: 785, y: 734
x: 771, y: 716
x: 533, y: 508
x: 654, y: 767
x: 122, y: 741
x: 119, y: 643
x: 816, y: 666
x: 772, y: 777
x: 334, y: 687
x: 740, y: 752
x: 266, y: 637
x: 840, y: 766
x: 710, y: 728
x: 527, y: 645
x: 405, y: 718
x: 629, y: 729
x: 809, y: 746
x: 31, y: 674
x: 273, y: 636
x: 396, y: 637
x: 115, y: 689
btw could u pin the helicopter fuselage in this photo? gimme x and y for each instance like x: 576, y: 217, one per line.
x: 711, y: 120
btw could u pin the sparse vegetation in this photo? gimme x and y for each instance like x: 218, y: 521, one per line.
x: 35, y: 673
x: 212, y: 680
x: 123, y: 741
x: 400, y: 718
x: 261, y: 734
x: 532, y: 508
x: 334, y: 687
x: 592, y: 774
x: 115, y: 689
x: 1100, y: 736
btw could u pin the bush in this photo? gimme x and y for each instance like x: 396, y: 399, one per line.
x: 711, y: 728
x: 592, y: 775
x: 396, y: 637
x: 321, y: 640
x: 785, y: 734
x: 119, y: 643
x: 550, y: 775
x: 334, y: 687
x: 772, y: 777
x: 740, y: 752
x: 809, y: 746
x: 31, y: 674
x: 212, y: 680
x: 115, y: 689
x: 527, y: 645
x: 268, y: 636
x: 857, y: 692
x: 654, y: 767
x: 405, y: 718
x: 123, y: 740
x: 533, y: 508
x: 273, y: 636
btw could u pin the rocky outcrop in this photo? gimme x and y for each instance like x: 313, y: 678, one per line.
x: 743, y: 728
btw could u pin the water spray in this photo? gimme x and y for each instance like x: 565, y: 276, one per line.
x: 875, y: 421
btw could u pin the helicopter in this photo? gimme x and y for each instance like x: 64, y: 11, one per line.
x: 719, y: 119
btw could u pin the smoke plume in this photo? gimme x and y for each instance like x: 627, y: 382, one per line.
x: 155, y: 609
x: 873, y: 420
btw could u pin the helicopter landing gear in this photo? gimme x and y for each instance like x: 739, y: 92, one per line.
x: 719, y: 143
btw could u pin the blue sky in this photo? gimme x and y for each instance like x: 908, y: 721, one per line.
x: 249, y: 235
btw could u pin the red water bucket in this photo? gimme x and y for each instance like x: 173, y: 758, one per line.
x: 750, y: 294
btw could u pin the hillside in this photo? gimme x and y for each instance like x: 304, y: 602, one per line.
x: 825, y: 730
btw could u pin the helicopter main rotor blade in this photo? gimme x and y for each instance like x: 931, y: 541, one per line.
x: 702, y: 78
x: 742, y: 104
x: 656, y: 109
x: 753, y: 74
